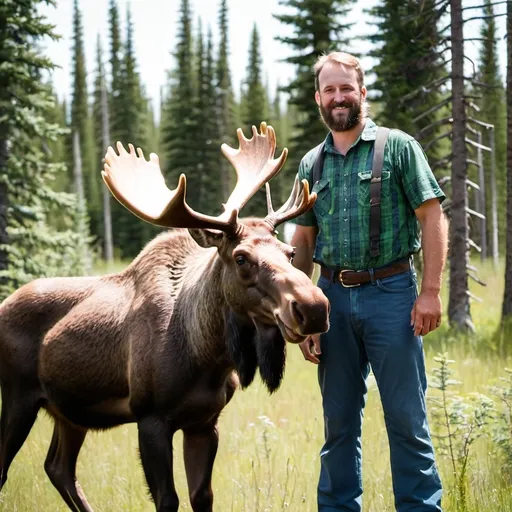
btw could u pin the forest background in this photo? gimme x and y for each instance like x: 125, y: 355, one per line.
x: 177, y: 78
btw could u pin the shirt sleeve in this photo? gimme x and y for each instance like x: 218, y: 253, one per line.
x: 418, y: 180
x: 308, y: 218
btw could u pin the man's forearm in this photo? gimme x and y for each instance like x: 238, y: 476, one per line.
x: 435, y: 246
x: 304, y: 243
x: 303, y: 260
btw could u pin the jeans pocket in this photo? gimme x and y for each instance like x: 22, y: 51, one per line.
x: 399, y: 283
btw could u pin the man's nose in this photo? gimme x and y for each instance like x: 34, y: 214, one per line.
x: 339, y: 96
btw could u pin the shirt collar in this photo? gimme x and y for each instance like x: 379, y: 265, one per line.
x: 369, y: 133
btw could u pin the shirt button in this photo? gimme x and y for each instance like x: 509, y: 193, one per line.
x: 345, y: 264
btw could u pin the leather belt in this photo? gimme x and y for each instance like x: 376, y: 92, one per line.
x: 350, y: 278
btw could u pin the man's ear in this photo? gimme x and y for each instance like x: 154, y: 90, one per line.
x: 317, y: 98
x: 207, y: 237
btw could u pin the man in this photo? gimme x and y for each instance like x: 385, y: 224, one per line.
x: 377, y: 316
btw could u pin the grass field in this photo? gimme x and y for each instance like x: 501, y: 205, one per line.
x: 268, y: 455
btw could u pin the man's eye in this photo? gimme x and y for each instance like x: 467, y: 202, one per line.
x: 241, y: 260
x: 292, y: 256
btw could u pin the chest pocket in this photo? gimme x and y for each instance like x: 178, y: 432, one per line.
x: 323, y: 202
x: 363, y: 187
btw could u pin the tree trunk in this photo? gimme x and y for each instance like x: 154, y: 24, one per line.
x: 507, y: 300
x: 4, y: 239
x: 458, y: 305
x: 494, y: 201
x: 481, y: 194
x: 108, y: 248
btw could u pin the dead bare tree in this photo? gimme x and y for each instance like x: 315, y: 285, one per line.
x: 464, y: 133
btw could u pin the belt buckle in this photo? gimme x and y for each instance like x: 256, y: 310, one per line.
x: 340, y: 279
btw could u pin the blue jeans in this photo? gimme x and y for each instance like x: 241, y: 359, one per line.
x: 370, y: 325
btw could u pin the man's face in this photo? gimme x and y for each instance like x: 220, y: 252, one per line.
x: 339, y: 98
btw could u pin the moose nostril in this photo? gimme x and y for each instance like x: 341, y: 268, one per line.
x: 297, y: 313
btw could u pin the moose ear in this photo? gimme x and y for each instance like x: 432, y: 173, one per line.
x: 207, y: 237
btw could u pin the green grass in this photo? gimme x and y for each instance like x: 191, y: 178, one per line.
x: 268, y: 455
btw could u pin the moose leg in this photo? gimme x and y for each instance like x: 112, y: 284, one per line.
x: 200, y: 448
x: 155, y: 446
x: 19, y: 412
x: 60, y: 464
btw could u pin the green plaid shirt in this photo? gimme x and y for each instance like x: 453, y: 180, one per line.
x: 342, y: 208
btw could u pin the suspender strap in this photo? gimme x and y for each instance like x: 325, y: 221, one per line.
x: 375, y: 185
x: 319, y: 163
x: 375, y: 190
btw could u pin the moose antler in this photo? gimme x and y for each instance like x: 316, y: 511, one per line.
x: 140, y: 186
x: 300, y: 201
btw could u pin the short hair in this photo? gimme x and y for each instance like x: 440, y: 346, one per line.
x: 340, y: 58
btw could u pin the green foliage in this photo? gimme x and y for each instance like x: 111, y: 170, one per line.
x: 34, y: 247
x: 406, y: 49
x: 226, y: 107
x: 460, y: 422
x: 254, y: 108
x: 81, y: 122
x: 317, y: 29
x: 208, y: 155
x: 130, y: 235
x: 179, y: 116
x: 502, y: 425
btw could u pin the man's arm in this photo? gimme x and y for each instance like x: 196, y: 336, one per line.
x: 426, y: 314
x: 304, y: 241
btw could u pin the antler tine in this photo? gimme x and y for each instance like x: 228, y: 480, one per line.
x: 140, y: 186
x: 299, y: 202
x: 254, y: 164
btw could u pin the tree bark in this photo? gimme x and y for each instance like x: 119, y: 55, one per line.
x: 458, y: 305
x: 4, y: 238
x: 108, y: 249
x: 507, y: 299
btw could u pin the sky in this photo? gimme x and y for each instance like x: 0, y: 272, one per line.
x: 156, y: 22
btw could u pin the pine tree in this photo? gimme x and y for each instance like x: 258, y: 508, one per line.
x: 493, y: 111
x: 254, y: 108
x: 407, y: 55
x: 116, y: 102
x: 226, y: 107
x: 81, y: 123
x: 208, y: 144
x: 130, y: 234
x: 178, y: 124
x: 318, y: 29
x: 29, y: 244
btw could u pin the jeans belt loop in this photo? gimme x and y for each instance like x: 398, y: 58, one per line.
x: 372, y: 275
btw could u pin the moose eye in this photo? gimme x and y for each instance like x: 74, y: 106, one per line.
x: 241, y: 260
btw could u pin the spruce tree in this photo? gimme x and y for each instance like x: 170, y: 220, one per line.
x: 207, y: 139
x: 254, y: 108
x: 179, y: 119
x: 81, y: 123
x: 318, y: 28
x: 116, y: 102
x: 30, y: 246
x: 407, y: 55
x: 226, y: 108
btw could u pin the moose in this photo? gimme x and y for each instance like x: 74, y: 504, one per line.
x: 165, y: 342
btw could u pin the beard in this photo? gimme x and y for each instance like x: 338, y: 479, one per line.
x: 342, y: 123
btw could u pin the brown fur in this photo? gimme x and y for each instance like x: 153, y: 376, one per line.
x: 155, y: 344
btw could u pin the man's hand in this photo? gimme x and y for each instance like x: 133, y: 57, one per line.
x: 311, y: 348
x: 426, y: 313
